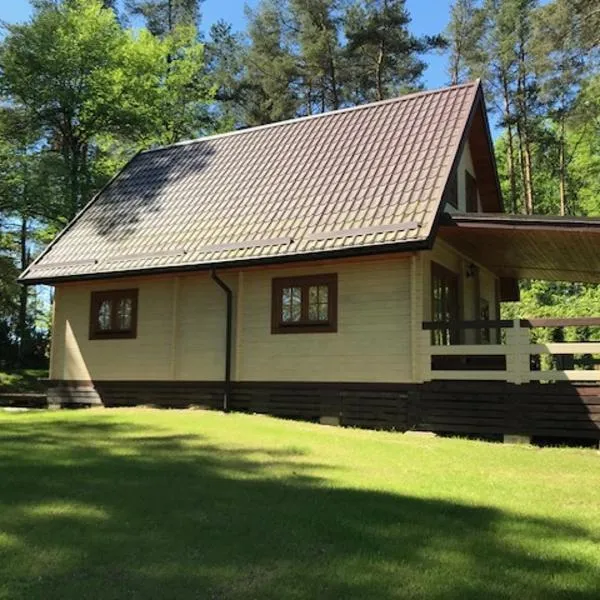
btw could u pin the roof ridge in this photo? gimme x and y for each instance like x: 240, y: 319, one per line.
x: 330, y: 113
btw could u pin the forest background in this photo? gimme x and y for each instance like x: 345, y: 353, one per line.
x: 85, y: 84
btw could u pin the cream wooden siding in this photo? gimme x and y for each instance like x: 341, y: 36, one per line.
x: 181, y: 323
x: 373, y: 341
x: 181, y: 320
x: 146, y: 357
x: 445, y: 255
x: 200, y: 350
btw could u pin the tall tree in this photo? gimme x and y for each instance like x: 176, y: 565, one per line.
x: 80, y: 77
x: 27, y: 202
x: 386, y: 56
x: 561, y: 62
x: 316, y: 32
x: 161, y: 17
x: 526, y: 94
x: 498, y: 50
x: 63, y: 70
x: 226, y: 69
x: 272, y: 70
x: 464, y: 34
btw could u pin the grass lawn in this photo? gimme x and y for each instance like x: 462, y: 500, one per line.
x: 148, y: 504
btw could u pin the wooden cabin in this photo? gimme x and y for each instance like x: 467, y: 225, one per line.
x: 346, y: 267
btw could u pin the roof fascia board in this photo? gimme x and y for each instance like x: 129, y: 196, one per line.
x: 477, y: 98
x: 521, y: 222
x: 398, y: 248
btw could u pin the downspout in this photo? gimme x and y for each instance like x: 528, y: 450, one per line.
x: 229, y: 295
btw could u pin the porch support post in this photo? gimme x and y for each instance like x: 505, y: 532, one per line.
x: 517, y: 353
x: 175, y: 326
x: 425, y: 351
x: 416, y: 318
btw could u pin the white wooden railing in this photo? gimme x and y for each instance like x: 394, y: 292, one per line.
x: 509, y: 357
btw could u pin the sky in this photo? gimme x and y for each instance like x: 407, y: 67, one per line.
x: 428, y: 17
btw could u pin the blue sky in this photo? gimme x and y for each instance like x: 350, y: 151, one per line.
x: 429, y: 17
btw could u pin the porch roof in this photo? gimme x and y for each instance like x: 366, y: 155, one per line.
x: 528, y: 247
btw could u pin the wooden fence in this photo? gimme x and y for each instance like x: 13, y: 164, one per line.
x: 509, y: 357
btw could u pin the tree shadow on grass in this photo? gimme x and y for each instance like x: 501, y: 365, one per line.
x: 110, y: 510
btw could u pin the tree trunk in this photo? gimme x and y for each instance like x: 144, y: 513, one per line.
x: 562, y: 168
x: 335, y: 100
x: 528, y: 176
x: 23, y: 295
x: 522, y: 117
x: 521, y: 162
x: 510, y: 148
x: 71, y: 157
x: 74, y: 182
x: 379, y: 71
x: 510, y: 161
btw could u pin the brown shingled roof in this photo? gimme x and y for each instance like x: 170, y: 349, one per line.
x: 369, y: 178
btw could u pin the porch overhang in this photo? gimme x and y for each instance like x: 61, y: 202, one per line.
x: 528, y: 247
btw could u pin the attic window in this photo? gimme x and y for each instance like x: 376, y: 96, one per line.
x: 113, y: 314
x: 471, y: 192
x: 304, y: 304
x: 452, y: 191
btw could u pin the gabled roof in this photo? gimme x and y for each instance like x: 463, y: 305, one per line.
x: 364, y: 179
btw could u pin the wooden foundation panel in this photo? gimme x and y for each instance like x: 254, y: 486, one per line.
x: 470, y: 407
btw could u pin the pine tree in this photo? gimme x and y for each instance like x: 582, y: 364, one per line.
x: 464, y: 35
x: 162, y: 16
x: 385, y: 55
x: 226, y: 68
x: 272, y: 70
x: 316, y: 34
x: 561, y: 63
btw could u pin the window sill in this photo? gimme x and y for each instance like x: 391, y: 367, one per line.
x: 114, y: 335
x: 304, y: 329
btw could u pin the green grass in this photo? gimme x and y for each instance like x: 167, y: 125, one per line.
x: 26, y: 380
x: 148, y: 504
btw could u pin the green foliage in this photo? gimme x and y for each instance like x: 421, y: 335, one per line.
x: 226, y: 68
x: 271, y: 68
x: 464, y: 32
x: 316, y: 34
x: 163, y: 16
x: 385, y: 55
x: 82, y: 94
x: 309, y: 56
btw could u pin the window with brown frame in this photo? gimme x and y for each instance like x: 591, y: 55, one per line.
x: 113, y: 314
x: 471, y: 192
x: 305, y: 304
x: 452, y: 191
x: 445, y: 303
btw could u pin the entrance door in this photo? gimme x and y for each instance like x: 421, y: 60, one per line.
x: 445, y: 303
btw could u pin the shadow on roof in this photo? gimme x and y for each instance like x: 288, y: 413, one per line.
x: 136, y: 197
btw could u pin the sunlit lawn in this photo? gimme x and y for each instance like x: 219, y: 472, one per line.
x: 190, y: 504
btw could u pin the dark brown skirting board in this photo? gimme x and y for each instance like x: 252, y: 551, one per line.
x: 23, y: 400
x: 533, y: 409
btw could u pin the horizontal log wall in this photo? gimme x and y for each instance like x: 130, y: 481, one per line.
x: 493, y: 407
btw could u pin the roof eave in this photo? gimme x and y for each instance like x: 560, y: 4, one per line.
x: 395, y: 248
